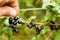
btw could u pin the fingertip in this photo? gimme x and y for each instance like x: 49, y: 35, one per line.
x: 8, y: 11
x: 13, y: 12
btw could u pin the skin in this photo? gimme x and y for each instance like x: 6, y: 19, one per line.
x: 9, y: 7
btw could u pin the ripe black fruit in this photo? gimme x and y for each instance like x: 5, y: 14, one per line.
x: 56, y: 28
x: 36, y: 26
x: 59, y: 27
x: 29, y: 25
x: 38, y: 29
x: 10, y: 20
x: 16, y: 30
x: 19, y: 21
x: 52, y: 27
x: 52, y: 22
x: 16, y: 18
x: 15, y: 23
x: 33, y: 24
x: 13, y: 26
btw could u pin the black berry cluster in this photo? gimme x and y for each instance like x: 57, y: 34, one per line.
x: 38, y: 29
x: 51, y: 26
x: 13, y: 23
x: 32, y: 24
x: 54, y: 27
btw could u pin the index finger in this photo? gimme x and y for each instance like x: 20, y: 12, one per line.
x: 2, y: 2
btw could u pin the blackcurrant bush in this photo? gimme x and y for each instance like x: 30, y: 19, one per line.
x: 16, y: 18
x: 10, y: 20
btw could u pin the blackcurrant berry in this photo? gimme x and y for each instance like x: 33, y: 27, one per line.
x: 36, y: 26
x: 16, y: 30
x: 15, y: 23
x: 29, y: 25
x: 19, y: 21
x: 33, y: 24
x: 57, y: 28
x: 52, y: 22
x: 38, y: 29
x: 13, y: 26
x: 51, y: 27
x: 10, y: 20
x: 16, y: 18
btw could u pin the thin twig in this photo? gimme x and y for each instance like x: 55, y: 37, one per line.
x: 32, y: 9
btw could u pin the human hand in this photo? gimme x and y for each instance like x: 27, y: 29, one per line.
x: 9, y: 7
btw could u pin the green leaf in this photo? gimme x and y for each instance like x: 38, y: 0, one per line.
x: 10, y: 36
x: 34, y: 38
x: 44, y: 30
x: 29, y: 2
x: 32, y: 18
x: 6, y: 22
x: 45, y: 3
x: 22, y: 4
x: 48, y: 15
x: 57, y: 1
x: 51, y: 13
x: 23, y: 27
x: 2, y: 19
x: 3, y: 29
x: 57, y: 35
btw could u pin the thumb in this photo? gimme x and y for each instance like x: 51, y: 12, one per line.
x: 7, y: 11
x: 12, y: 12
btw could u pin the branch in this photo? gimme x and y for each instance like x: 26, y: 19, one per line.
x: 42, y: 24
x: 32, y: 9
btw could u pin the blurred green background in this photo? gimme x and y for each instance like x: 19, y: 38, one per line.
x: 37, y: 11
